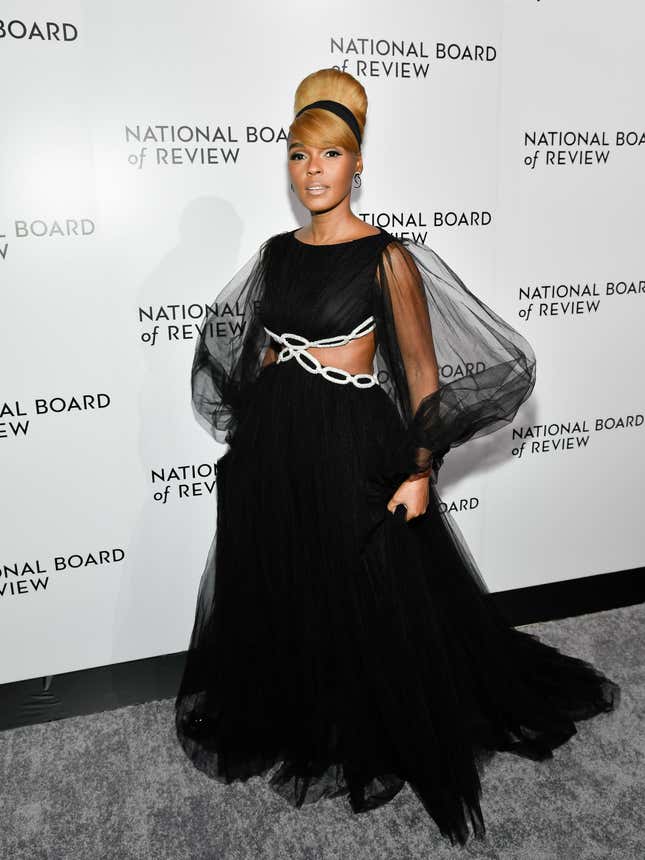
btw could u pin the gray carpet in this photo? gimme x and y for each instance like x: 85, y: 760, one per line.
x: 117, y: 785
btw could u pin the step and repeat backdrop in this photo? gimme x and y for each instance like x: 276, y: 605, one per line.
x: 143, y: 161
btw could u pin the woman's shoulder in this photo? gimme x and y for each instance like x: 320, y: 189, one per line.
x: 273, y: 245
x: 390, y: 239
x: 403, y: 250
x: 277, y: 238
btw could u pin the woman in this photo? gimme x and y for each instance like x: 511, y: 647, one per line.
x: 343, y: 637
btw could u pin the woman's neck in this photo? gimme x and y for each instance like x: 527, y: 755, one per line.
x: 329, y: 228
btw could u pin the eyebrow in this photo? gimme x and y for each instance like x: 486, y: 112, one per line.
x: 299, y: 143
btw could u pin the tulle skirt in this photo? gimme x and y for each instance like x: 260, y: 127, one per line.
x: 340, y: 650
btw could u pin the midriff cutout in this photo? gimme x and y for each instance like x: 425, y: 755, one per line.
x: 354, y: 357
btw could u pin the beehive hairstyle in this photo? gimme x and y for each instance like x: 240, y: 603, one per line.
x: 319, y: 127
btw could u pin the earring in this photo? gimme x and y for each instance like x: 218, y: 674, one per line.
x: 357, y: 180
x: 291, y: 185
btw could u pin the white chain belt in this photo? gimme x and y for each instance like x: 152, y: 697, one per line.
x: 295, y: 345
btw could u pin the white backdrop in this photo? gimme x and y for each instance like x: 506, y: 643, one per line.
x: 119, y: 221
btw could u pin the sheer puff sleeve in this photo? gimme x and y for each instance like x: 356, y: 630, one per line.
x: 230, y: 349
x: 452, y: 366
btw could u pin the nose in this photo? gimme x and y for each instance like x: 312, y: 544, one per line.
x: 314, y: 167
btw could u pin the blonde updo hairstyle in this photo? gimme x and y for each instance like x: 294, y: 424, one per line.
x: 319, y: 127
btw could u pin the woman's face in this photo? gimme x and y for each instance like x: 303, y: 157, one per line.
x: 321, y: 177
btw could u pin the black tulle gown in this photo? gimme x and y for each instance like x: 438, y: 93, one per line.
x: 337, y: 648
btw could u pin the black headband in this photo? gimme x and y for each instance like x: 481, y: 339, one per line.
x: 340, y: 110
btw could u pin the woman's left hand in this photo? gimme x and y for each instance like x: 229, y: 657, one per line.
x: 414, y: 494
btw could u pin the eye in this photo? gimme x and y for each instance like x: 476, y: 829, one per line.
x: 295, y: 155
x: 333, y: 152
